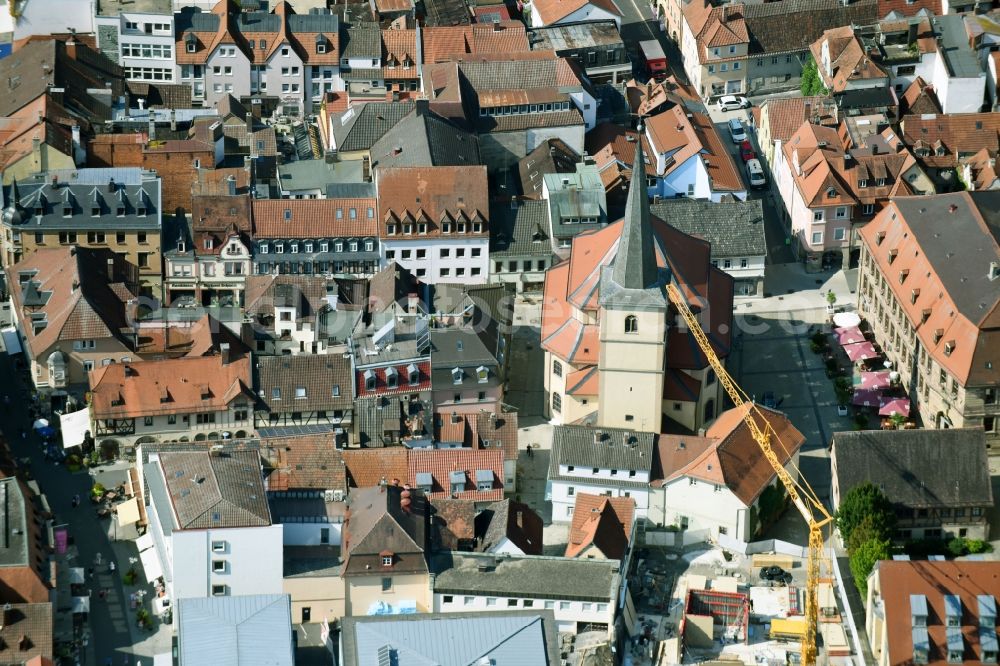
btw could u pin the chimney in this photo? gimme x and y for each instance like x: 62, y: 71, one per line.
x: 224, y: 353
x: 71, y: 48
x: 173, y: 120
x: 111, y: 269
x: 231, y: 185
x: 911, y: 33
x: 520, y: 519
x: 111, y: 186
x: 255, y: 108
x: 152, y: 128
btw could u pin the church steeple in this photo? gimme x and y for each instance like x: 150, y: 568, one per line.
x: 15, y: 194
x: 635, y: 263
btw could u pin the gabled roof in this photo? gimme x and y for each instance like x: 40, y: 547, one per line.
x: 71, y: 287
x: 604, y: 448
x: 434, y: 194
x: 785, y: 115
x: 358, y: 128
x: 423, y: 138
x: 945, y: 243
x: 314, y: 218
x: 734, y: 228
x: 916, y: 468
x: 386, y: 519
x: 767, y: 24
x: 919, y: 99
x: 235, y: 630
x: 601, y: 522
x: 734, y: 458
x: 325, y: 380
x: 171, y: 386
x: 511, y: 520
x: 26, y: 635
x: 445, y: 42
x: 946, y: 138
x: 215, y: 490
x: 683, y: 135
x: 850, y: 62
x: 369, y: 467
x: 553, y: 11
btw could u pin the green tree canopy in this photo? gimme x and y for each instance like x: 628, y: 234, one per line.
x: 863, y: 560
x: 862, y: 503
x: 811, y: 83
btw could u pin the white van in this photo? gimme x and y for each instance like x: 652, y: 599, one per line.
x: 756, y: 174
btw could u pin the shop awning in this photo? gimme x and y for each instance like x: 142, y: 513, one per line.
x: 75, y: 426
x: 866, y: 398
x: 151, y: 564
x: 849, y: 336
x: 890, y: 406
x: 145, y: 542
x: 860, y: 351
x: 128, y: 511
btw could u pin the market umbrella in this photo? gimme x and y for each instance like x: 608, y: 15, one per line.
x: 46, y: 431
x: 875, y: 380
x: 889, y: 406
x: 866, y: 398
x: 846, y: 319
x: 40, y: 423
x: 860, y: 351
x: 849, y: 336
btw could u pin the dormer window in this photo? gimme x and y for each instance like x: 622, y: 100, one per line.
x: 938, y: 334
x: 67, y: 210
x: 120, y: 210
x: 880, y: 182
x: 190, y: 43
x: 892, y: 256
x: 140, y: 209
x: 456, y: 375
x: 391, y: 378
x: 902, y: 275
x: 209, y: 243
x: 831, y: 193
x: 949, y: 347
x: 879, y: 237
x: 914, y: 295
x: 387, y: 558
x: 95, y: 210
x: 288, y: 214
x: 446, y: 228
x: 369, y: 380
x: 413, y: 374
x: 482, y: 374
x: 862, y: 182
x: 390, y: 229
x: 336, y: 391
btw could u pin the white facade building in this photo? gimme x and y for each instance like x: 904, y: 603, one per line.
x: 583, y: 594
x: 140, y: 39
x: 438, y: 260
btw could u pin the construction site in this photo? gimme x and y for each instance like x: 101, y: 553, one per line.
x: 711, y: 605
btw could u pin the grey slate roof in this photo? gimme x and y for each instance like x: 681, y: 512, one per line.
x: 526, y: 576
x: 214, y: 491
x: 606, y: 448
x: 328, y: 23
x: 458, y: 348
x: 318, y: 374
x: 916, y: 468
x: 509, y: 638
x: 361, y: 41
x: 44, y: 205
x: 423, y: 138
x: 734, y: 228
x: 381, y: 521
x: 320, y: 175
x: 243, y: 630
x: 520, y: 232
x: 768, y: 22
x: 359, y: 128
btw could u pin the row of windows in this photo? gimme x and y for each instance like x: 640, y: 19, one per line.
x: 519, y: 109
x: 318, y: 267
x: 724, y: 67
x: 492, y: 602
x: 149, y: 73
x: 230, y: 269
x: 93, y: 237
x: 310, y: 246
x: 407, y: 228
x: 443, y: 253
x: 728, y: 263
x: 525, y: 266
x: 147, y: 50
x: 301, y: 394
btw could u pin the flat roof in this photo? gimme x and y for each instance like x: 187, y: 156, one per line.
x: 573, y: 36
x: 116, y: 7
x: 958, y: 56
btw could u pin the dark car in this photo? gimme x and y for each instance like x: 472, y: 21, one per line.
x: 775, y: 575
x: 746, y: 151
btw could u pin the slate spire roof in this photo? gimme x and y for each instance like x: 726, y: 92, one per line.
x: 635, y: 264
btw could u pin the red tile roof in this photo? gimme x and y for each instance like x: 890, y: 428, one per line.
x: 172, y: 386
x: 403, y: 385
x: 369, y: 467
x: 552, y: 11
x: 441, y: 44
x: 314, y: 218
x: 435, y: 196
x: 601, y: 522
x: 440, y: 463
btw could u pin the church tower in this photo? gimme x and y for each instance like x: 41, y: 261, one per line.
x: 633, y: 319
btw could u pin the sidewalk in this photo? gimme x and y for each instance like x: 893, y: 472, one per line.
x: 792, y: 289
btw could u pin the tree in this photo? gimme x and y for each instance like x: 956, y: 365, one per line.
x: 863, y: 560
x: 811, y: 83
x: 771, y: 504
x: 867, y: 530
x: 865, y: 500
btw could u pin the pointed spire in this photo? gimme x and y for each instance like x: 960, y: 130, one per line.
x: 635, y: 263
x: 15, y: 194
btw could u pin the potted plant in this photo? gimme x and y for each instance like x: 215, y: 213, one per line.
x: 897, y: 420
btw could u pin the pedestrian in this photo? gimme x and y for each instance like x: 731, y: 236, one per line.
x: 111, y: 566
x: 100, y: 594
x: 75, y: 501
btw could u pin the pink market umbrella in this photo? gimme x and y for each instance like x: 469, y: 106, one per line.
x: 860, y: 351
x: 889, y: 406
x: 866, y: 398
x: 874, y: 380
x: 849, y: 336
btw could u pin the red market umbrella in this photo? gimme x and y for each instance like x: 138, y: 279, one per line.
x: 860, y: 351
x: 874, y: 380
x: 849, y: 336
x: 889, y: 406
x: 866, y: 398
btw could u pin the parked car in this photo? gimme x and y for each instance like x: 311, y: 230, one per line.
x: 733, y: 103
x: 775, y: 575
x: 736, y: 131
x: 755, y: 173
x: 746, y: 151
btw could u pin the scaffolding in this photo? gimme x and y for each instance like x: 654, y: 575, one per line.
x: 729, y: 610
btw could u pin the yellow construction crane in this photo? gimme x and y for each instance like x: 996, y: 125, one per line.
x: 796, y: 491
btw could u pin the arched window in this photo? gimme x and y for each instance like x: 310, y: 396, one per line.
x: 709, y: 410
x: 631, y: 324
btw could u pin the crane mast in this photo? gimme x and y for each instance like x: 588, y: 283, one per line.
x: 763, y: 438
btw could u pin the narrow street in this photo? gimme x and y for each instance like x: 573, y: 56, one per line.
x: 109, y: 617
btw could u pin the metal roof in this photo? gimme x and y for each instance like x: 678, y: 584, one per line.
x: 239, y: 630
